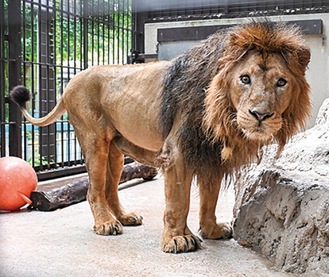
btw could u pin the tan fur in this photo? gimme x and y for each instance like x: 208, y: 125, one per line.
x: 115, y: 110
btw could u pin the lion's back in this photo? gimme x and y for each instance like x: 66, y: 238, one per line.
x: 127, y: 97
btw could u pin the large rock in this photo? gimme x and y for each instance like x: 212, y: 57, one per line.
x: 282, y: 205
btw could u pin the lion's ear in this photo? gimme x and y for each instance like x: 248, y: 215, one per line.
x: 297, y: 58
x: 304, y: 56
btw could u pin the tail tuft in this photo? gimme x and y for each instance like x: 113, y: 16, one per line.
x: 20, y: 95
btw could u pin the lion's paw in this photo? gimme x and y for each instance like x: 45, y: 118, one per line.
x: 179, y: 244
x: 131, y: 219
x: 216, y: 231
x: 108, y: 228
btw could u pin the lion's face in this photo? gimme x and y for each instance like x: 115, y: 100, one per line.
x: 260, y: 91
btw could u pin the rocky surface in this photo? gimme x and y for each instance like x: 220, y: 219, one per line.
x: 282, y: 205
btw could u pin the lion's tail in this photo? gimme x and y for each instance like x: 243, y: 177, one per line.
x: 21, y: 95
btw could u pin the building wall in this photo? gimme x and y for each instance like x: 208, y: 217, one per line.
x: 317, y: 74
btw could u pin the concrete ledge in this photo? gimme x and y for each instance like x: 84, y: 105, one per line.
x: 282, y: 206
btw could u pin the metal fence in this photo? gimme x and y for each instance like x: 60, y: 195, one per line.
x: 173, y: 10
x: 43, y: 43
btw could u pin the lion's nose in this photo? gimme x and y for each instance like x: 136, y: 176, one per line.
x: 260, y: 116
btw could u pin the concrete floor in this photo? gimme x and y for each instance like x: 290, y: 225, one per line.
x: 62, y: 242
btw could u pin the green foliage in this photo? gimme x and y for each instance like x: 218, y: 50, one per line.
x: 105, y: 38
x: 38, y: 160
x: 106, y: 35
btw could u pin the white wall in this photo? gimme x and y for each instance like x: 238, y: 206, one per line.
x: 317, y: 74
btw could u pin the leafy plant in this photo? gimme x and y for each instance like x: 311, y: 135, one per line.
x: 38, y: 160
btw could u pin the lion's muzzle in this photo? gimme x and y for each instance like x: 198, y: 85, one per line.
x: 258, y: 125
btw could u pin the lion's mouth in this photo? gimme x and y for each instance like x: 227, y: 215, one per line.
x: 257, y: 133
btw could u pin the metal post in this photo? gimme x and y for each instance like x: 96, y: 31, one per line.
x: 47, y: 91
x: 2, y: 81
x: 85, y: 34
x: 138, y: 27
x: 14, y: 41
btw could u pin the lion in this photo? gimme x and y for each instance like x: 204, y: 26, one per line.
x: 200, y: 116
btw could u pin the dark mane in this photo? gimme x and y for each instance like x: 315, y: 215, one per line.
x: 185, y: 84
x: 187, y: 78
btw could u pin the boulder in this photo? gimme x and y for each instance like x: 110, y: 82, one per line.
x: 282, y: 204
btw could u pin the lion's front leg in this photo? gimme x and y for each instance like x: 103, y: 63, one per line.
x: 176, y: 236
x: 209, y: 227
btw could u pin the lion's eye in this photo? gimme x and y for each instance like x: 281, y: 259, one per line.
x: 245, y: 79
x: 281, y: 82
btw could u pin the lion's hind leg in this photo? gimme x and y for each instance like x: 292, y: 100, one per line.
x: 209, y: 227
x: 95, y: 151
x: 114, y: 170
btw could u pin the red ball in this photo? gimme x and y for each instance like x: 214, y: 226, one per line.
x: 17, y: 180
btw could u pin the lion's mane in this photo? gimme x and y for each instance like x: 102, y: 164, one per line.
x: 195, y: 94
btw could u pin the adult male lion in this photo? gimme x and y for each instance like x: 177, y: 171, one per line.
x: 203, y: 114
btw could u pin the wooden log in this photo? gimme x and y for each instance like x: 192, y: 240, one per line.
x: 136, y: 170
x: 54, y: 196
x: 50, y: 197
